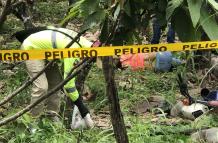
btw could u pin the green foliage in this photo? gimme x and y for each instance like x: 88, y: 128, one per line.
x: 209, y: 24
x: 184, y: 27
x: 52, y: 15
x: 89, y: 10
x: 189, y: 31
x: 172, y: 6
x: 188, y: 17
x: 195, y: 10
x: 189, y: 26
x: 94, y: 19
x: 213, y: 4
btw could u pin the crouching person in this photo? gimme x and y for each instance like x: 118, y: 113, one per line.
x: 53, y: 38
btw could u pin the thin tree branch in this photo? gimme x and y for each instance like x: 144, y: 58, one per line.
x: 5, y: 12
x: 26, y: 84
x: 55, y: 89
x: 11, y: 66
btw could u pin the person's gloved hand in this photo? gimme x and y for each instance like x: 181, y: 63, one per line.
x: 88, y: 121
x: 78, y: 122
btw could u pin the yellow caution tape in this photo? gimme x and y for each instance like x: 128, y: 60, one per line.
x: 19, y: 55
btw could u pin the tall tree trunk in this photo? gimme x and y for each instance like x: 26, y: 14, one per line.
x: 5, y: 12
x: 115, y: 111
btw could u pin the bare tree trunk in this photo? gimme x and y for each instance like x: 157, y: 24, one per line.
x: 5, y: 12
x: 203, y: 57
x: 115, y: 111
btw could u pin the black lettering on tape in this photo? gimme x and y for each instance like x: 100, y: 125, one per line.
x: 213, y: 45
x: 7, y: 56
x: 75, y: 53
x: 125, y: 51
x: 145, y: 50
x: 93, y: 53
x: 132, y: 51
x: 84, y: 53
x: 25, y: 56
x: 201, y: 47
x: 55, y: 54
x: 14, y: 56
x: 206, y: 45
x: 193, y: 46
x: 163, y: 48
x: 154, y: 49
x: 68, y: 54
x: 117, y: 52
x: 47, y: 55
x: 185, y: 47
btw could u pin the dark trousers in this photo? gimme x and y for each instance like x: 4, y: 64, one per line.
x: 157, y: 33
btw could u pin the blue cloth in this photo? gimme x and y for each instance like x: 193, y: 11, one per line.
x: 213, y: 95
x: 163, y: 61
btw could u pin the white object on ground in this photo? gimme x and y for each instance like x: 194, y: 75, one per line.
x: 189, y: 112
x: 78, y: 122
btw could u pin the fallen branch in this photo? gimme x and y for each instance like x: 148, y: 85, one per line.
x: 49, y: 93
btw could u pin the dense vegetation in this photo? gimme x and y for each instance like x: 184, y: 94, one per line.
x: 128, y: 22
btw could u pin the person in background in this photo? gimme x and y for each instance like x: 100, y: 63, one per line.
x: 164, y: 60
x: 47, y: 38
x: 157, y: 32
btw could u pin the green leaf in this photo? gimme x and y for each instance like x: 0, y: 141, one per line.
x: 195, y: 10
x: 70, y: 16
x: 183, y: 26
x: 89, y: 7
x: 116, y: 12
x: 214, y: 4
x: 74, y: 12
x: 127, y: 8
x: 94, y: 19
x: 172, y: 5
x: 209, y: 24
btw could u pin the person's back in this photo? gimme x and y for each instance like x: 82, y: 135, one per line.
x: 49, y: 39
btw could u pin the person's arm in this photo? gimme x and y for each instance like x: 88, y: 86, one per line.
x: 213, y: 103
x: 71, y: 89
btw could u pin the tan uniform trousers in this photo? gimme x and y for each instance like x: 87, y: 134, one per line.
x: 48, y: 80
